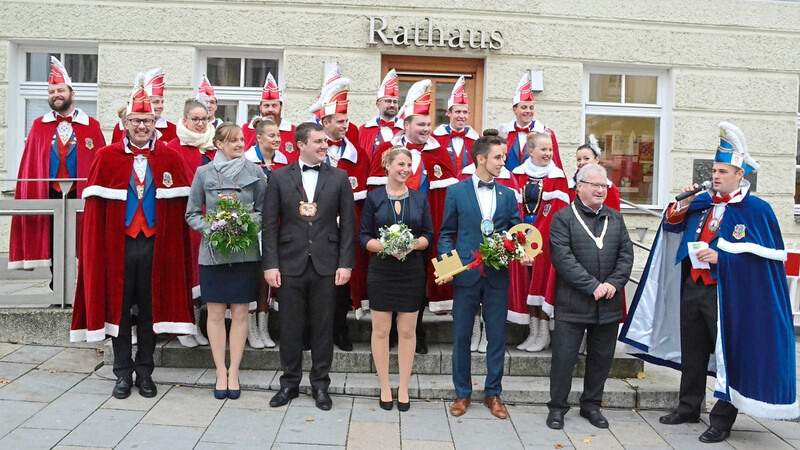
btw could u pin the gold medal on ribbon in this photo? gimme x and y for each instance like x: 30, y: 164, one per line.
x: 308, y: 209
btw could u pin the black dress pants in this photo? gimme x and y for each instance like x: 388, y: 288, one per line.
x: 698, y: 339
x: 137, y: 290
x: 343, y: 306
x: 601, y: 341
x: 307, y: 300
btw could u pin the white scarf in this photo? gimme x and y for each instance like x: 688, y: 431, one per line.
x: 535, y: 171
x: 229, y: 167
x: 203, y: 141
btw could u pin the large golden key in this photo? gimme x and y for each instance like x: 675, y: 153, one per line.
x: 449, y: 266
x: 533, y: 238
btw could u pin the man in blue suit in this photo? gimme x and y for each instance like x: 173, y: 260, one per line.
x: 473, y: 208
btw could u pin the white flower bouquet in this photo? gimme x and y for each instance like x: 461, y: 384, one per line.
x: 397, y: 240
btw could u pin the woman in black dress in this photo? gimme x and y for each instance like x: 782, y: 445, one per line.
x: 395, y: 283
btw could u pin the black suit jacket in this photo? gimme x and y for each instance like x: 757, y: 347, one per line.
x: 289, y: 239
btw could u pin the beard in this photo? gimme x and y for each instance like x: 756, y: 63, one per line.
x: 65, y: 106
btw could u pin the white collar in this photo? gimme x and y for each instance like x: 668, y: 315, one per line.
x: 441, y: 130
x: 161, y: 122
x: 377, y: 120
x: 126, y: 144
x: 350, y: 152
x: 78, y: 116
x: 277, y: 157
x: 744, y: 188
x: 400, y: 139
x: 555, y: 172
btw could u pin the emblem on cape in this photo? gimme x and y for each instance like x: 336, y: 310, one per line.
x: 738, y: 231
x: 167, y: 179
x: 714, y: 224
x: 487, y: 227
x: 437, y: 171
x: 353, y: 182
x: 89, y: 143
x: 546, y: 210
x: 289, y: 147
x: 308, y: 209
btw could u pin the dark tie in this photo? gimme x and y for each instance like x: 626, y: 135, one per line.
x: 522, y: 129
x: 336, y: 143
x: 311, y: 168
x: 488, y: 185
x: 140, y: 151
x: 462, y: 134
x: 60, y: 118
x: 386, y: 123
x: 411, y: 146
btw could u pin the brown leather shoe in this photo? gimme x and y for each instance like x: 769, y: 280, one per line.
x: 459, y: 407
x: 496, y: 406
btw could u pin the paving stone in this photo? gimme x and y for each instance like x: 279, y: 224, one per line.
x: 136, y: 402
x: 248, y: 378
x: 289, y: 446
x: 747, y: 423
x: 420, y: 423
x: 244, y: 427
x: 104, y: 428
x: 622, y: 415
x: 310, y: 425
x: 257, y: 400
x: 24, y: 438
x: 427, y: 445
x: 428, y: 364
x: 12, y: 371
x: 748, y: 440
x: 372, y: 435
x: 6, y: 348
x: 162, y: 375
x: 689, y: 441
x: 81, y: 360
x: 368, y: 410
x: 533, y: 431
x: 785, y: 429
x: 436, y: 387
x: 93, y: 385
x: 658, y: 390
x: 79, y: 447
x: 184, y: 406
x: 13, y: 413
x: 476, y: 410
x: 594, y: 440
x: 482, y: 433
x: 636, y: 434
x: 526, y: 409
x: 33, y: 354
x: 651, y: 417
x: 336, y: 386
x: 367, y: 384
x: 67, y: 411
x: 218, y: 446
x: 477, y: 362
x: 156, y: 437
x: 40, y: 386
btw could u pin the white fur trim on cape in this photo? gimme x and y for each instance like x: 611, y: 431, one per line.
x: 440, y: 184
x: 285, y: 125
x: 519, y: 196
x: 104, y: 192
x: 350, y: 153
x: 441, y: 306
x: 94, y: 335
x: 360, y: 195
x: 175, y: 192
x: 175, y: 328
x: 161, y: 122
x: 535, y: 300
x: 547, y: 308
x: 29, y: 264
x: 518, y: 318
x: 376, y: 181
x: 749, y: 247
x: 196, y: 291
x: 762, y: 409
x: 560, y: 195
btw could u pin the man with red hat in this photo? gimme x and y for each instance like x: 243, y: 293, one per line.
x: 60, y: 144
x: 383, y: 127
x: 431, y: 173
x: 457, y: 137
x: 331, y: 112
x: 205, y: 95
x: 154, y: 85
x: 135, y: 204
x: 516, y: 131
x: 271, y: 107
x: 334, y: 74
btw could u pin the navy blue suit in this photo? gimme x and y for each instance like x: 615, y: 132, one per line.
x: 461, y: 228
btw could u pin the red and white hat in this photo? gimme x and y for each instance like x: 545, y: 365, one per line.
x: 139, y: 101
x: 205, y: 87
x: 332, y: 100
x: 271, y: 91
x: 58, y: 73
x: 418, y: 100
x: 389, y: 87
x: 154, y: 82
x: 524, y: 92
x: 459, y: 94
x: 334, y: 74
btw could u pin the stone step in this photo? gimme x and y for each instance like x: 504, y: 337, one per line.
x: 656, y: 391
x: 438, y: 361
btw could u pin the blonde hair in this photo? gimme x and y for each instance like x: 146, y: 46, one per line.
x: 390, y: 154
x: 535, y: 136
x: 224, y: 131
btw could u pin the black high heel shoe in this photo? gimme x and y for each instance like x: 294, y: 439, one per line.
x: 233, y: 394
x: 386, y: 405
x: 219, y: 394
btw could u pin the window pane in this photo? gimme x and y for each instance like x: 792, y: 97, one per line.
x: 224, y: 71
x: 81, y: 68
x: 797, y: 175
x: 38, y: 66
x: 404, y: 86
x: 640, y: 89
x: 605, y: 88
x: 443, y: 91
x: 226, y: 112
x: 255, y: 71
x: 629, y: 153
x: 252, y: 111
x: 35, y: 108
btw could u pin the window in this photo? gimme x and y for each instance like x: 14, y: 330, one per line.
x: 627, y: 109
x: 28, y: 78
x: 238, y: 80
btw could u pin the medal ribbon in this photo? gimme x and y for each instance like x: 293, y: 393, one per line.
x: 598, y: 241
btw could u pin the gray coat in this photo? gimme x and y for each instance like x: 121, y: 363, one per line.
x: 250, y: 188
x: 581, y: 267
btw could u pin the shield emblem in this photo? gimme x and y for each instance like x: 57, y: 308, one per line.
x: 739, y: 231
x: 289, y: 147
x: 437, y: 171
x: 353, y: 182
x: 546, y: 210
x: 89, y: 143
x: 167, y: 179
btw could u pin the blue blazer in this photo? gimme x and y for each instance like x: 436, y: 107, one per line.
x: 461, y: 228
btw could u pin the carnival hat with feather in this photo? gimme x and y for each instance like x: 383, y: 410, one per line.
x: 733, y: 149
x: 389, y: 87
x: 459, y: 94
x: 524, y: 92
x: 270, y: 90
x: 205, y: 90
x: 58, y: 73
x: 418, y: 100
x: 139, y: 101
x: 154, y: 82
x: 332, y: 100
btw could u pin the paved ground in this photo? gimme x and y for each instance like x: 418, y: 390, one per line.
x: 52, y: 397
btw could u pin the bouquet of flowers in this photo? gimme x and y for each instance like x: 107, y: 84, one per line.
x: 396, y: 240
x: 499, y: 249
x: 233, y: 226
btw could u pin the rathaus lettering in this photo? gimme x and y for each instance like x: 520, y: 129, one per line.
x: 427, y: 34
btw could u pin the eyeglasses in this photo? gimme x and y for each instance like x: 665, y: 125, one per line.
x: 595, y: 186
x: 391, y: 101
x: 199, y: 119
x: 137, y: 122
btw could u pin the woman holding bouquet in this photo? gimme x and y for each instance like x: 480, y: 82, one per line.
x: 397, y: 275
x: 229, y: 269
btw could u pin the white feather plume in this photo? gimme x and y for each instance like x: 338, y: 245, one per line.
x: 735, y: 135
x: 594, y: 145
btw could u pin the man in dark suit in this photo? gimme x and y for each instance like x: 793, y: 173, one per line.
x: 475, y: 207
x: 306, y: 254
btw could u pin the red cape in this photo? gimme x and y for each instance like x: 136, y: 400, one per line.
x: 443, y: 138
x: 168, y: 133
x: 30, y: 235
x: 288, y: 147
x: 512, y: 136
x: 367, y: 136
x: 98, y: 298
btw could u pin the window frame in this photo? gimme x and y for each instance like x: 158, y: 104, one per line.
x: 20, y: 91
x: 243, y: 96
x: 661, y: 110
x: 797, y: 168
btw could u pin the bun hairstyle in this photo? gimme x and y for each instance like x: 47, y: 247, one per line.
x: 259, y: 125
x: 224, y: 132
x: 191, y: 104
x: 484, y: 144
x: 491, y: 132
x: 534, y: 136
x: 389, y: 155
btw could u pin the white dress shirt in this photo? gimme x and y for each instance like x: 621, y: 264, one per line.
x: 486, y: 198
x: 309, y: 178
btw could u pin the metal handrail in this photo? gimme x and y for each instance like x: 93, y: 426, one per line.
x: 639, y: 207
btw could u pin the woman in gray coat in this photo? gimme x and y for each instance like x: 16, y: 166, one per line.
x: 233, y: 279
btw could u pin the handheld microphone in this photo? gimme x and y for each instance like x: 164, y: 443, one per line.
x: 687, y: 194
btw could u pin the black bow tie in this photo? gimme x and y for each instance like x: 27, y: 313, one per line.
x: 311, y: 168
x: 489, y: 184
